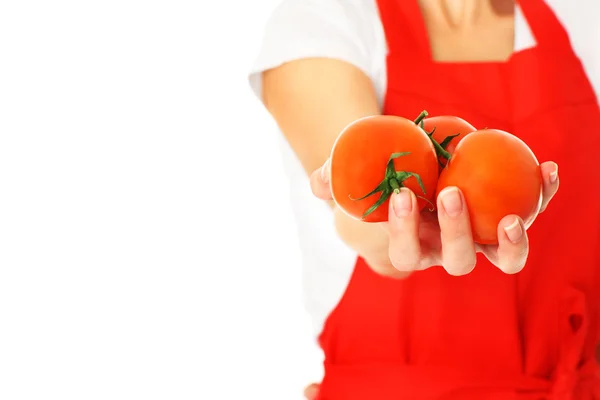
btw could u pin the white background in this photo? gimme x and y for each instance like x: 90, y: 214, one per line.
x: 147, y: 246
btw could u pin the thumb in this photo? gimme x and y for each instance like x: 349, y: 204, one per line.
x: 311, y: 392
x: 319, y: 182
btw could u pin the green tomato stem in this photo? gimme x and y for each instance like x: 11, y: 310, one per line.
x: 421, y: 117
x: 392, y: 182
x: 439, y: 150
x: 394, y: 185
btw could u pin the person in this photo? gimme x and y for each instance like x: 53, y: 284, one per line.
x: 403, y: 312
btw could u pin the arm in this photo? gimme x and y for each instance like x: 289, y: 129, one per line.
x: 312, y: 100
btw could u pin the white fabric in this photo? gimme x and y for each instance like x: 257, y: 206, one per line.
x: 350, y: 30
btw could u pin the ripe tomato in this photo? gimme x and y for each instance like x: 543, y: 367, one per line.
x: 375, y: 155
x: 447, y: 131
x: 498, y: 175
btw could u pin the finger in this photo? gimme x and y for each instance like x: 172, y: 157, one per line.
x: 513, y: 245
x: 385, y: 268
x: 403, y: 225
x: 311, y: 392
x: 551, y: 182
x: 458, y: 248
x: 319, y: 182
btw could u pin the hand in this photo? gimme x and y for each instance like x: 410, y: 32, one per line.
x: 311, y: 392
x: 419, y: 240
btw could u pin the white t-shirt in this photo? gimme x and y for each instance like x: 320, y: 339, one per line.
x: 350, y: 30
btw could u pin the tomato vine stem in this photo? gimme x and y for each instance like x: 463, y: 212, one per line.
x: 419, y: 121
x: 440, y: 150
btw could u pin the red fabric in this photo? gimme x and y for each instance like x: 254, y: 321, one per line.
x: 486, y: 335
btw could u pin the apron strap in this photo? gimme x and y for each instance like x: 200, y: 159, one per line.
x: 404, y: 28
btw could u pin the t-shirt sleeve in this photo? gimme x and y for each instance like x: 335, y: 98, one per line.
x: 297, y: 29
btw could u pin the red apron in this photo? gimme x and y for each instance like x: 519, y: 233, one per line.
x: 486, y: 335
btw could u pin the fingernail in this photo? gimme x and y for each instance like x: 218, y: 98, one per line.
x: 554, y: 175
x: 451, y: 201
x: 402, y: 203
x: 325, y: 172
x: 514, y: 231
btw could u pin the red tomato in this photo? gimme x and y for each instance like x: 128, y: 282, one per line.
x: 374, y: 155
x: 447, y: 131
x: 498, y: 175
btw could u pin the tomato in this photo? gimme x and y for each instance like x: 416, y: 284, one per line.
x: 375, y: 155
x: 498, y: 175
x: 447, y: 131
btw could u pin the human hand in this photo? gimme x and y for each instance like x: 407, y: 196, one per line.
x: 420, y: 240
x: 311, y: 392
